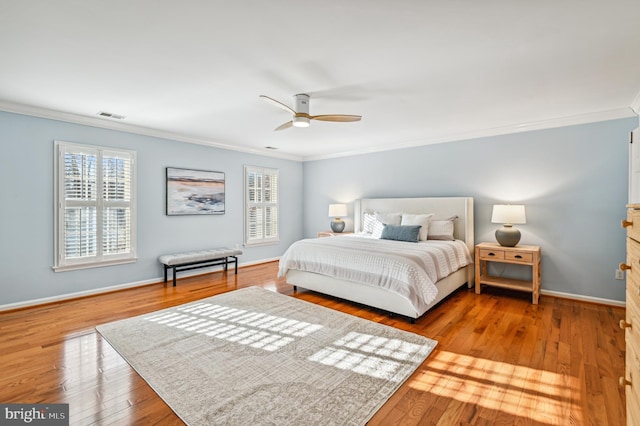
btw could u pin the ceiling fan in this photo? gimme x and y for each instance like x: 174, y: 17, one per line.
x: 301, y: 115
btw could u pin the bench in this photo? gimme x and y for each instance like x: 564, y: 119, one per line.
x: 199, y: 259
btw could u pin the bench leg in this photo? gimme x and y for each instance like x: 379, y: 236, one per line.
x: 236, y: 261
x: 165, y: 273
x: 174, y: 276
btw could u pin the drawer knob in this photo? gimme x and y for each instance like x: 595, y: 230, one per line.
x: 624, y: 382
x: 626, y: 223
x: 491, y: 254
x: 624, y: 267
x: 624, y: 324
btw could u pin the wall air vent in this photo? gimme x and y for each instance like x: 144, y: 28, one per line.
x: 110, y: 115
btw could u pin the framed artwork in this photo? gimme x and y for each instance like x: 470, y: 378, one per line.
x: 194, y: 192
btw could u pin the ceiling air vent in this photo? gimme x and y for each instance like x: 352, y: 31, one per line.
x: 109, y: 115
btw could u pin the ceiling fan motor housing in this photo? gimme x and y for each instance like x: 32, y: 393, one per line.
x: 302, y: 107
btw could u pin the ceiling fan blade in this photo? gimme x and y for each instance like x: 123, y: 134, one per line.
x: 277, y: 103
x: 284, y: 126
x: 336, y: 117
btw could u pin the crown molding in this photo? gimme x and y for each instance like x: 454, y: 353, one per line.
x: 110, y: 124
x: 594, y: 117
x: 106, y: 123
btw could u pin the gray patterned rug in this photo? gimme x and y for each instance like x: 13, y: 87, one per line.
x: 255, y: 357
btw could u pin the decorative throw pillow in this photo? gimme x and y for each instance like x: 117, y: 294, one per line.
x: 418, y: 219
x: 407, y: 233
x: 368, y: 222
x: 371, y: 225
x: 442, y: 229
x: 377, y: 229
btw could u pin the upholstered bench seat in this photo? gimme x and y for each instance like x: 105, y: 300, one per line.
x: 199, y: 259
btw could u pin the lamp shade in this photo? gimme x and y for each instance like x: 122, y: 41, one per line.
x: 337, y: 210
x: 508, y: 213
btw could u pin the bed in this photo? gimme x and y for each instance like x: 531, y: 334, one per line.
x: 359, y: 288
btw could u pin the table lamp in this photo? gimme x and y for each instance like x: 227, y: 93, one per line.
x: 337, y: 211
x: 508, y: 214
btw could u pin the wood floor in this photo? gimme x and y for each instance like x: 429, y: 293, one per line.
x: 500, y: 360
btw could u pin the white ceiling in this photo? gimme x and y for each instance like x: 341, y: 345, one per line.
x: 418, y: 71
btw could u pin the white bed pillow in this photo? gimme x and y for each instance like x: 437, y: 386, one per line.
x: 373, y: 223
x: 389, y: 218
x: 442, y: 229
x: 418, y: 219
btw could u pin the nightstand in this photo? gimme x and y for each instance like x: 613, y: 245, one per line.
x: 331, y: 233
x: 520, y: 255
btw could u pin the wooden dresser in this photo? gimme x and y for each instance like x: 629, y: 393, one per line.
x: 631, y: 325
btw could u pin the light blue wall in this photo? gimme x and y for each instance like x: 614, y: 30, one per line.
x: 26, y: 173
x: 573, y: 181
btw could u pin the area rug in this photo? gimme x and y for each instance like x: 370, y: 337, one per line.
x: 255, y: 357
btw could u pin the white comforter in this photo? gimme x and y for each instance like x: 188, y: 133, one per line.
x: 409, y: 269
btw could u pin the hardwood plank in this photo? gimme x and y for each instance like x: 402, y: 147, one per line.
x: 499, y: 359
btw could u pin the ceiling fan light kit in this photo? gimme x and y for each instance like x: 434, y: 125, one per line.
x: 301, y: 117
x: 300, y: 121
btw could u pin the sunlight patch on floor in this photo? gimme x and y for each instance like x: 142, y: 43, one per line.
x: 544, y: 396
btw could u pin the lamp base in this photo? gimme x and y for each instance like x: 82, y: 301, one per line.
x: 337, y: 225
x: 508, y: 236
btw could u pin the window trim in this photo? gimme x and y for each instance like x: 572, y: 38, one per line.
x: 60, y: 263
x: 262, y: 241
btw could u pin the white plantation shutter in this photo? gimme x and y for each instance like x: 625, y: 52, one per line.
x: 261, y: 205
x: 116, y: 195
x: 95, y: 217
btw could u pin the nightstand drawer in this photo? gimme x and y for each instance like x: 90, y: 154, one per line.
x: 519, y: 256
x: 491, y: 254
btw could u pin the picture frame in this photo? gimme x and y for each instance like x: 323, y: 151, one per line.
x: 194, y: 192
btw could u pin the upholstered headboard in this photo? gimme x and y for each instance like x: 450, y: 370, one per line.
x: 441, y: 207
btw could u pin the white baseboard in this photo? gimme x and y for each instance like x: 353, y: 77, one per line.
x: 582, y: 298
x: 68, y: 296
x: 76, y: 295
x: 93, y: 292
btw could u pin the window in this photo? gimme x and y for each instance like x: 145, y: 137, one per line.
x: 261, y: 206
x: 95, y: 206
